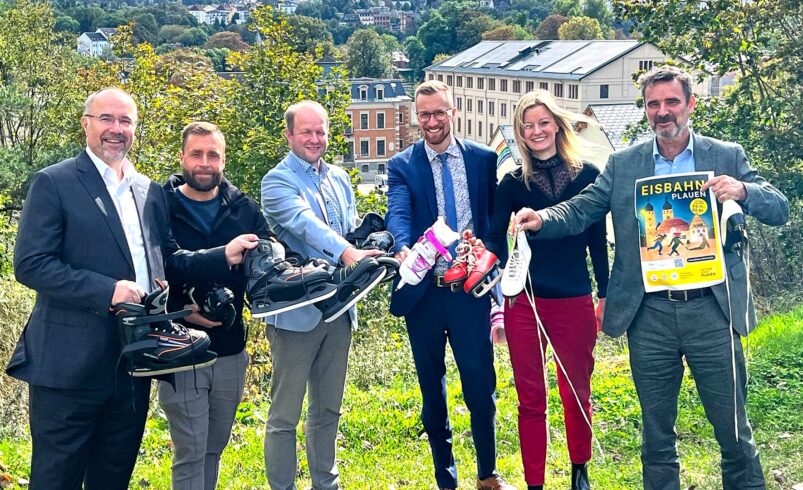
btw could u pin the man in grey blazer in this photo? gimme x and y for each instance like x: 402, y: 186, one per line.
x: 704, y: 325
x: 93, y: 233
x: 310, y: 206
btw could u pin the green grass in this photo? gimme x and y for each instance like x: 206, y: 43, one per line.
x: 381, y: 445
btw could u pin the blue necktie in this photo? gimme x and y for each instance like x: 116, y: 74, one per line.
x: 448, y: 192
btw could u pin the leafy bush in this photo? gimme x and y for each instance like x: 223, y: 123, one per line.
x: 16, y: 302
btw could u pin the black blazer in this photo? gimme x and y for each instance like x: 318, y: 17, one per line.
x: 71, y: 249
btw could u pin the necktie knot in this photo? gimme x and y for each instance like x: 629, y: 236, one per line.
x: 443, y: 157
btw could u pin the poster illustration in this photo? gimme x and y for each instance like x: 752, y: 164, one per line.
x: 678, y: 232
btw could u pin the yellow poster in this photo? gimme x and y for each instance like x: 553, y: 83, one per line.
x: 679, y: 236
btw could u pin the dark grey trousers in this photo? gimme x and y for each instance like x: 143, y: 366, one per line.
x: 663, y: 333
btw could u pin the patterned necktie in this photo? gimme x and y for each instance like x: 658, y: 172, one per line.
x: 448, y: 192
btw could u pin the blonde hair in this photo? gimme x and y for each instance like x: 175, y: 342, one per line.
x: 570, y: 147
x: 432, y: 87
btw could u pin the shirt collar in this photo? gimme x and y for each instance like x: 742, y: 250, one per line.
x: 308, y: 167
x: 657, y: 154
x: 451, y: 150
x: 107, y: 174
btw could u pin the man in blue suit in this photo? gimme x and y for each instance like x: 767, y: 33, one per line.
x: 444, y: 176
x: 310, y: 206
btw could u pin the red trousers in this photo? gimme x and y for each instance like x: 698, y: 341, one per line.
x: 571, y: 326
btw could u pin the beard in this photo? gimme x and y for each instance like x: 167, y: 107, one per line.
x: 200, y: 186
x: 668, y: 133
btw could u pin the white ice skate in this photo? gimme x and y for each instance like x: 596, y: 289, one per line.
x: 515, y: 274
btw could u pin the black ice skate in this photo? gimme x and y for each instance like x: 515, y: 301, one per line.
x: 370, y: 223
x: 276, y: 286
x: 153, y: 344
x: 353, y: 283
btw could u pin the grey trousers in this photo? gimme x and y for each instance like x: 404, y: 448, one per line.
x: 200, y: 421
x: 662, y: 334
x: 317, y: 359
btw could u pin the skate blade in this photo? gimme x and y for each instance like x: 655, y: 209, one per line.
x: 485, y: 286
x: 174, y: 369
x: 294, y: 306
x: 356, y: 298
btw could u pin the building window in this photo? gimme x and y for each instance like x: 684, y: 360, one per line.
x: 516, y: 86
x: 459, y: 101
x: 380, y: 120
x: 492, y: 84
x: 459, y: 124
x: 490, y: 108
x: 491, y: 129
x: 440, y: 78
x: 557, y: 90
x: 503, y: 85
x: 479, y: 106
x: 381, y: 167
x: 363, y: 120
x: 449, y: 80
x: 380, y: 147
x: 469, y: 107
x: 603, y: 91
x: 543, y: 86
x: 364, y: 148
x: 363, y: 92
x: 350, y: 154
x: 365, y: 168
x: 645, y: 65
x: 529, y: 86
x: 503, y: 109
x: 469, y: 82
x: 380, y: 92
x: 401, y: 145
x: 468, y: 126
x: 431, y: 76
x: 400, y: 117
x: 480, y: 83
x: 574, y: 91
x: 350, y: 129
x: 479, y: 129
x: 459, y: 80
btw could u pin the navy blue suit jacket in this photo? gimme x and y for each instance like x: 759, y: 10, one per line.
x: 412, y: 206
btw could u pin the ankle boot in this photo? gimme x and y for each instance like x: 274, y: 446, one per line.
x: 580, y: 477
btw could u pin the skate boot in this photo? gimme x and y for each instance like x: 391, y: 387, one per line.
x: 514, y: 276
x: 353, y: 283
x: 216, y: 305
x: 277, y: 286
x: 152, y: 344
x: 483, y: 272
x: 457, y: 274
x: 383, y: 240
x: 370, y: 223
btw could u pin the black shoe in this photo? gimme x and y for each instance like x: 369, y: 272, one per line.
x: 370, y: 223
x: 152, y: 344
x: 276, y: 286
x: 353, y: 283
x: 580, y: 477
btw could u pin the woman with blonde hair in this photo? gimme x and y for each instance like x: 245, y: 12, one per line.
x: 552, y: 171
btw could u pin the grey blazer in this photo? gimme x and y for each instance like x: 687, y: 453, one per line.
x: 613, y: 191
x: 71, y: 249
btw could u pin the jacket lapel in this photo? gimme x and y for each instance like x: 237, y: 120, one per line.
x: 96, y: 188
x: 704, y: 160
x: 646, y: 167
x: 423, y: 168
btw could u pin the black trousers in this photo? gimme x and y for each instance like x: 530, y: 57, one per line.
x: 88, y: 437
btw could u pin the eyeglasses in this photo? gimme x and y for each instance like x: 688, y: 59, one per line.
x: 440, y: 115
x: 107, y: 120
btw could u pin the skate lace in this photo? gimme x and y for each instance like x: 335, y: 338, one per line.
x: 516, y: 264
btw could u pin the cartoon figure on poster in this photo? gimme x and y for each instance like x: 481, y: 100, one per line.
x: 675, y: 214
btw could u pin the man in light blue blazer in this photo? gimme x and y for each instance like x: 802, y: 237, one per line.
x: 310, y: 206
x: 703, y: 325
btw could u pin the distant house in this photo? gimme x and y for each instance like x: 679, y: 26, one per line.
x: 96, y: 43
x: 328, y: 63
x: 614, y: 120
x: 380, y: 114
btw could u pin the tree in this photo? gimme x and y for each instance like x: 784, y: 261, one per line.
x: 226, y: 40
x: 528, y: 13
x: 548, y: 29
x: 580, y: 28
x: 568, y: 8
x: 416, y: 53
x: 67, y: 24
x: 757, y: 43
x: 276, y: 76
x: 367, y: 56
x: 507, y: 33
x: 598, y: 9
x: 391, y: 43
x: 193, y: 37
x: 469, y: 30
x: 170, y: 33
x: 307, y: 33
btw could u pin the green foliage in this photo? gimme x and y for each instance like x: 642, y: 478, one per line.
x: 367, y: 55
x: 548, y: 29
x: 598, y: 9
x: 568, y: 8
x: 580, y: 28
x: 16, y: 303
x: 307, y: 33
x: 507, y: 33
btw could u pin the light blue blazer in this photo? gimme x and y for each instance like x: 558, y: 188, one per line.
x: 292, y: 204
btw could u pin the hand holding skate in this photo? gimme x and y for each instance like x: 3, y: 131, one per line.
x: 236, y: 248
x: 435, y: 242
x: 527, y: 219
x: 475, y: 268
x: 127, y: 292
